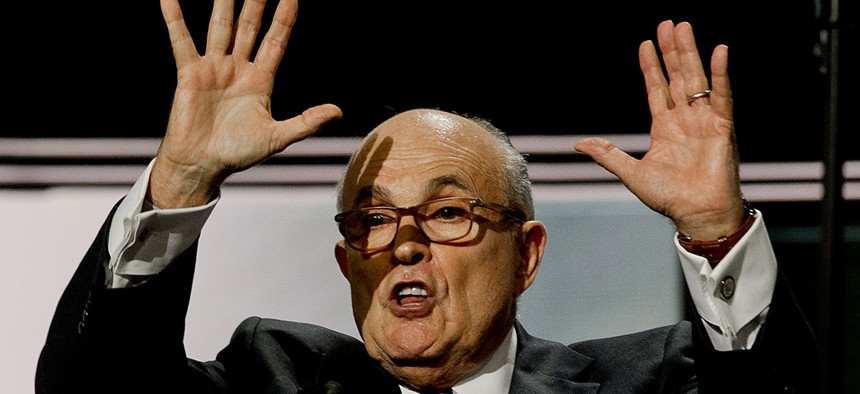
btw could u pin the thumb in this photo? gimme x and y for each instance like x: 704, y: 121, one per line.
x: 302, y: 126
x: 607, y: 156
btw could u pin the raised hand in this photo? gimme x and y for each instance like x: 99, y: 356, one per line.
x: 690, y: 172
x: 221, y: 121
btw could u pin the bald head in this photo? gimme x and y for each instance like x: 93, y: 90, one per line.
x: 481, y: 150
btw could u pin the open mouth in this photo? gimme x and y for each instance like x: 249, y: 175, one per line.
x: 412, y: 299
x: 411, y: 295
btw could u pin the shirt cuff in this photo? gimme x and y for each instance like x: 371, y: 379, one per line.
x: 733, y: 297
x: 144, y: 239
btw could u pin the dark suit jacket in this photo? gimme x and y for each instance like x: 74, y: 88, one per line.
x: 88, y: 350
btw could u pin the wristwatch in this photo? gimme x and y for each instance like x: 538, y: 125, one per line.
x: 715, y: 250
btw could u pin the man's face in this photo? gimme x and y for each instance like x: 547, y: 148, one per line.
x: 432, y: 312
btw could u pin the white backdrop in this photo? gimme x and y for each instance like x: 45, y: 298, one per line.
x: 609, y: 269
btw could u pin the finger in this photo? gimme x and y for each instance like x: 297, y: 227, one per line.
x: 671, y: 60
x: 180, y: 40
x: 275, y: 42
x: 655, y: 82
x: 607, y: 156
x: 220, y: 28
x: 690, y: 62
x: 300, y: 127
x: 721, y: 95
x: 247, y: 28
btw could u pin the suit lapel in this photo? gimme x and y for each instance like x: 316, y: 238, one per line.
x: 543, y: 367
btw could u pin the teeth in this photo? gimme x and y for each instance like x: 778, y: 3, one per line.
x: 412, y: 291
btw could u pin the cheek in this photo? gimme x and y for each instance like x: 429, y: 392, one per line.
x: 486, y: 278
x: 364, y: 279
x: 490, y: 288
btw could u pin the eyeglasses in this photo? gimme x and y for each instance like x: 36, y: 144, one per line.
x: 441, y: 220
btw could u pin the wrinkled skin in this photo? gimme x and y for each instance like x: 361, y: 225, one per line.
x: 472, y: 287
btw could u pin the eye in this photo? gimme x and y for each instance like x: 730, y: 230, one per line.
x: 375, y: 218
x: 450, y: 213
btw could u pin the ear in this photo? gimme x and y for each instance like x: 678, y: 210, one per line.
x: 533, y: 243
x: 342, y: 260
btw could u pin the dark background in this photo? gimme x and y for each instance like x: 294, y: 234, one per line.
x: 105, y: 69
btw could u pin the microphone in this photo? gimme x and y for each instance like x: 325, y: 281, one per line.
x: 332, y: 387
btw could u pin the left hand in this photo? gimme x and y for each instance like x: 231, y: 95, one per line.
x: 220, y: 120
x: 690, y: 173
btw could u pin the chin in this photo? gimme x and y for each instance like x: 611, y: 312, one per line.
x: 431, y: 378
x: 407, y: 350
x: 413, y: 341
x: 422, y: 366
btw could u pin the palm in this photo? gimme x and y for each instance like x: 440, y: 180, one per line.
x: 221, y: 120
x: 690, y: 172
x: 221, y: 115
x: 685, y: 174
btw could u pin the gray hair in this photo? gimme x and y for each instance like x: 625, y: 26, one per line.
x: 518, y: 186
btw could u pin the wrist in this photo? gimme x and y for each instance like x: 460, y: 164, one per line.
x: 715, y: 250
x: 177, y: 186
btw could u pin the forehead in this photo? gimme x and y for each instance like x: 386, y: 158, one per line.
x: 417, y: 154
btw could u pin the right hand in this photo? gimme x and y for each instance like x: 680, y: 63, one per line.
x: 221, y: 120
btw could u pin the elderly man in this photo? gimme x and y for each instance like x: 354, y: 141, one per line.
x: 439, y: 241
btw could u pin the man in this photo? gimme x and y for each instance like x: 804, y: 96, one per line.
x: 439, y: 241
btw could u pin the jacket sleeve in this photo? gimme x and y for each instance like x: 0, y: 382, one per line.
x: 120, y: 340
x: 784, y: 359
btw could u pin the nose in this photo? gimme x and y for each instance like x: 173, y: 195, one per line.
x: 411, y: 246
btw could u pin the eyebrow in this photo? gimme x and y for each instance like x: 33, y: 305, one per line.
x: 368, y: 192
x: 434, y: 185
x: 438, y: 183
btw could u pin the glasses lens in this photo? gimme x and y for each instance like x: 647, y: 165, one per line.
x: 440, y: 221
x: 370, y: 228
x: 446, y: 220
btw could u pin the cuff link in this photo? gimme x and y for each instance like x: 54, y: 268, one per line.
x: 727, y: 287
